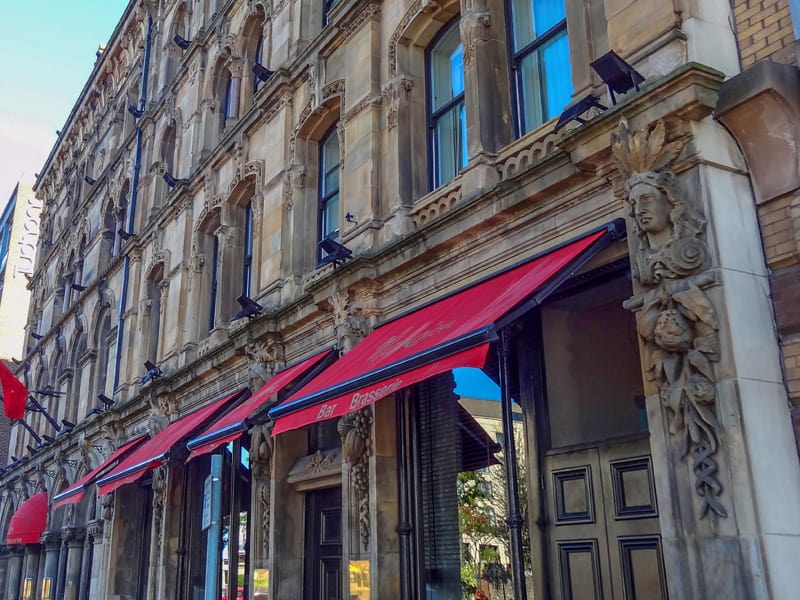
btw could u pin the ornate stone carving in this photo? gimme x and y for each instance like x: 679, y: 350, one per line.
x: 107, y: 508
x: 159, y: 487
x: 260, y: 467
x: 263, y: 360
x: 474, y: 27
x: 355, y: 429
x: 674, y: 317
x: 348, y: 319
x: 396, y: 93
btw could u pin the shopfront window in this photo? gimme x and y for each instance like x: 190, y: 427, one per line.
x: 461, y: 503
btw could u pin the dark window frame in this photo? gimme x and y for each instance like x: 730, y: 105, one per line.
x: 325, y: 196
x: 432, y: 117
x: 515, y: 58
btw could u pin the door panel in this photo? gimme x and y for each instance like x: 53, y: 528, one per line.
x: 323, y: 562
x: 603, y: 529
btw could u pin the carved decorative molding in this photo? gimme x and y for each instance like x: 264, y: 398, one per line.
x: 264, y: 359
x: 474, y: 26
x: 355, y: 429
x: 348, y: 320
x: 674, y: 317
x: 261, y: 468
x: 396, y: 93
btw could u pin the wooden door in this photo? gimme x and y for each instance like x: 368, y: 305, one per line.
x: 323, y: 545
x: 603, y: 531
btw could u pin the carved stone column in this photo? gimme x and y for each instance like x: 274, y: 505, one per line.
x: 74, y: 560
x: 95, y: 532
x: 486, y: 88
x: 261, y: 488
x: 31, y: 571
x: 721, y: 437
x: 399, y: 159
x: 14, y: 577
x: 3, y: 566
x: 52, y: 544
x: 156, y: 559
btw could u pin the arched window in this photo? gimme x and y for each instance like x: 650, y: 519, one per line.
x: 447, y: 122
x: 258, y: 59
x: 328, y: 200
x: 229, y: 99
x: 327, y: 5
x: 168, y: 149
x: 247, y: 249
x: 208, y: 247
x: 539, y: 60
x: 75, y: 401
x: 154, y: 284
x: 104, y: 345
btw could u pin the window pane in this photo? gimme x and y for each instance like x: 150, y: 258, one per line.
x: 330, y: 164
x: 530, y: 101
x: 557, y: 81
x: 522, y: 28
x: 447, y: 68
x: 449, y: 147
x: 330, y: 217
x: 547, y: 13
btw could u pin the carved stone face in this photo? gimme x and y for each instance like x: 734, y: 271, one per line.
x: 651, y: 208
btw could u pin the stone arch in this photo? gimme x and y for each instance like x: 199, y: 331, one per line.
x: 418, y: 26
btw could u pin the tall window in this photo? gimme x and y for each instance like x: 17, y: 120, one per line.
x: 327, y: 5
x: 230, y: 104
x: 247, y: 262
x: 447, y: 121
x: 540, y: 61
x: 258, y: 59
x: 154, y: 285
x: 214, y: 282
x: 328, y: 226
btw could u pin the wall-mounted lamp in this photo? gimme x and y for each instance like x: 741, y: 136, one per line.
x: 250, y: 308
x: 262, y: 72
x: 350, y: 218
x: 36, y: 336
x: 574, y: 111
x: 78, y: 287
x: 172, y: 181
x: 96, y: 410
x: 617, y: 74
x: 153, y: 372
x: 335, y: 252
x: 135, y: 111
x: 89, y: 180
x: 181, y: 42
x: 125, y: 235
x: 109, y: 402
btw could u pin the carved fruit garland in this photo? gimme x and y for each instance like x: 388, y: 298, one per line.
x: 674, y: 316
x: 355, y: 430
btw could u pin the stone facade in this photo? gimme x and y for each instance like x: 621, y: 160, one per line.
x: 182, y: 181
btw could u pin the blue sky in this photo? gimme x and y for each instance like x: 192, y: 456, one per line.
x: 48, y: 49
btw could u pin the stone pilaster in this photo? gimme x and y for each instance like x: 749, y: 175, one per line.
x: 95, y: 531
x: 30, y: 581
x: 72, y: 578
x: 261, y: 490
x: 14, y: 576
x: 52, y: 545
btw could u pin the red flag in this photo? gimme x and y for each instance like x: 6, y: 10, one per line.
x: 15, y: 394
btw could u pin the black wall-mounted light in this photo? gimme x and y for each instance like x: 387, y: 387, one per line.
x: 125, y: 235
x: 181, y: 42
x: 574, y: 111
x: 250, y: 308
x: 105, y: 400
x: 89, y: 180
x: 68, y: 425
x: 135, y: 111
x: 36, y: 336
x: 335, y: 252
x: 96, y: 410
x: 171, y: 180
x: 262, y: 72
x: 78, y: 287
x: 618, y: 75
x: 153, y: 372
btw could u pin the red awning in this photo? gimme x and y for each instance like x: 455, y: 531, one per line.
x: 74, y: 493
x: 15, y: 394
x: 156, y: 450
x: 231, y: 426
x: 451, y: 332
x: 28, y: 523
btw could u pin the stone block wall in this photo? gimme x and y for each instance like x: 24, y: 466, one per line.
x: 764, y: 30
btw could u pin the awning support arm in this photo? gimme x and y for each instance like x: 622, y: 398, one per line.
x: 514, y: 518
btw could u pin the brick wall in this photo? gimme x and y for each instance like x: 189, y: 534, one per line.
x: 764, y: 30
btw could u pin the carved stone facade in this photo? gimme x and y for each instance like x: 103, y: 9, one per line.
x: 241, y: 221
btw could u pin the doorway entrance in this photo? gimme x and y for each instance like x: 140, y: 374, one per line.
x: 323, y: 544
x: 601, y: 532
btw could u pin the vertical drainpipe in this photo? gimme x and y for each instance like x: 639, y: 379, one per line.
x: 137, y: 163
x: 514, y: 519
